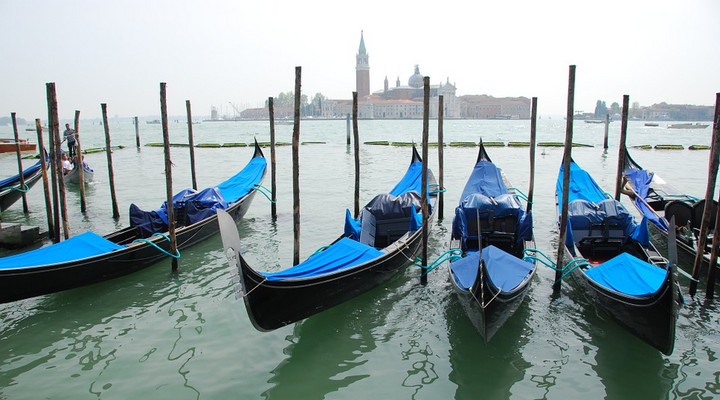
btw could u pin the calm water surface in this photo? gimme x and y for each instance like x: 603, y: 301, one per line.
x: 158, y: 334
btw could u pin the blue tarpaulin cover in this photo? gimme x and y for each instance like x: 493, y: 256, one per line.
x: 81, y: 246
x: 506, y: 271
x: 640, y: 180
x: 485, y: 179
x: 344, y: 253
x: 15, y: 179
x: 628, y: 274
x: 582, y: 186
x: 411, y: 181
x: 197, y: 206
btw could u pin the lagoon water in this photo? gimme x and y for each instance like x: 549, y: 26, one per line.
x: 159, y: 335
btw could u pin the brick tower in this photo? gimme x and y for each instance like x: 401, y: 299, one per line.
x: 362, y: 70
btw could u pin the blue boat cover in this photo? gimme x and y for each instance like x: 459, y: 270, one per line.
x: 411, y: 181
x: 15, y: 179
x: 582, y: 186
x: 640, y: 180
x: 629, y: 275
x: 485, y: 179
x: 196, y: 206
x: 352, y: 226
x: 78, y: 247
x: 506, y: 271
x: 344, y: 253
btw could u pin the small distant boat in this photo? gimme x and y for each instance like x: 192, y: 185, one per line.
x: 74, y: 175
x: 153, y: 122
x: 652, y: 124
x: 9, y: 146
x: 594, y: 121
x: 688, y: 125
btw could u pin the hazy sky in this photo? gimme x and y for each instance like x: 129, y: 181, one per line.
x: 243, y: 51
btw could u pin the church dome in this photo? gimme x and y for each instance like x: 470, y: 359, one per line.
x: 416, y: 80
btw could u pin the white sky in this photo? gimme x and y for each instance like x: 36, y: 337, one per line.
x: 244, y: 51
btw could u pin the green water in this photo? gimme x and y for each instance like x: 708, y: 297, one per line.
x: 159, y: 335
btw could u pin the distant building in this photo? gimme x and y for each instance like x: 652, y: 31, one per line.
x: 672, y: 112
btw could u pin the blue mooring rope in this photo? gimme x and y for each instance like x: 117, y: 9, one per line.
x: 546, y: 261
x: 447, y: 255
x: 158, y: 247
x: 24, y: 190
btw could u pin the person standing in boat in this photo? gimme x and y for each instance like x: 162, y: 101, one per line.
x: 69, y: 135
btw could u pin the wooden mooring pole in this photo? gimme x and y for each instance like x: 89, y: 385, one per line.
x: 108, y: 152
x: 441, y: 183
x: 19, y: 163
x: 53, y: 128
x: 356, y: 148
x: 622, y: 148
x: 567, y: 157
x: 191, y: 144
x: 168, y: 176
x: 46, y: 185
x: 709, y: 194
x: 296, y: 166
x: 79, y: 163
x: 348, y: 129
x: 607, y: 129
x: 712, y: 267
x: 533, y: 144
x: 137, y: 134
x: 273, y: 177
x: 424, y: 180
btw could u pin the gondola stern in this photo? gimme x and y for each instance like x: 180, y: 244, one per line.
x: 482, y: 153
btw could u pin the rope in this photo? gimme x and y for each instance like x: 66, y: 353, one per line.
x: 24, y: 190
x: 177, y: 255
x: 519, y: 194
x: 438, y: 190
x: 447, y: 255
x: 265, y: 192
x: 322, y: 248
x: 547, y: 261
x: 256, y: 286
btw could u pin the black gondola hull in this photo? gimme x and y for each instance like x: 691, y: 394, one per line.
x: 9, y: 196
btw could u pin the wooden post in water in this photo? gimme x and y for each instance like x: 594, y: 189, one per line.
x: 622, y: 148
x: 80, y: 163
x: 712, y: 264
x: 709, y: 194
x: 533, y: 140
x: 296, y: 166
x: 168, y: 174
x: 567, y: 157
x: 348, y: 129
x: 137, y: 134
x: 108, y: 152
x: 607, y: 129
x: 441, y: 187
x: 191, y: 145
x: 19, y: 162
x: 424, y: 180
x: 356, y: 148
x: 273, y: 181
x: 54, y: 157
x: 46, y: 186
x: 58, y: 163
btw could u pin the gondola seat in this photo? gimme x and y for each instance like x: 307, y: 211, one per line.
x: 387, y: 218
x: 681, y: 210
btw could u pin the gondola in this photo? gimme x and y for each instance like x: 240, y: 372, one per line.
x: 614, y: 264
x: 89, y: 258
x: 10, y: 190
x: 658, y: 201
x: 369, y: 252
x: 73, y: 176
x: 492, y: 231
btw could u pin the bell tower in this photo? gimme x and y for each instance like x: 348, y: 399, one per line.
x: 362, y: 70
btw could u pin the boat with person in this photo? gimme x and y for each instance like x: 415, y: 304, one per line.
x: 492, y: 231
x: 11, y: 189
x: 73, y: 176
x: 371, y: 250
x: 89, y: 258
x: 658, y: 201
x: 614, y: 264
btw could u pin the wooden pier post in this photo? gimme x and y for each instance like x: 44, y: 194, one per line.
x: 709, y: 194
x: 168, y: 175
x: 296, y: 166
x: 58, y: 161
x: 19, y: 162
x: 46, y: 185
x: 137, y: 134
x: 79, y: 163
x: 712, y: 266
x: 424, y: 180
x: 622, y: 148
x: 191, y: 145
x: 533, y: 144
x: 54, y: 157
x: 348, y: 129
x: 356, y: 148
x: 607, y: 129
x: 273, y: 177
x: 108, y: 152
x: 567, y: 157
x: 441, y: 183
